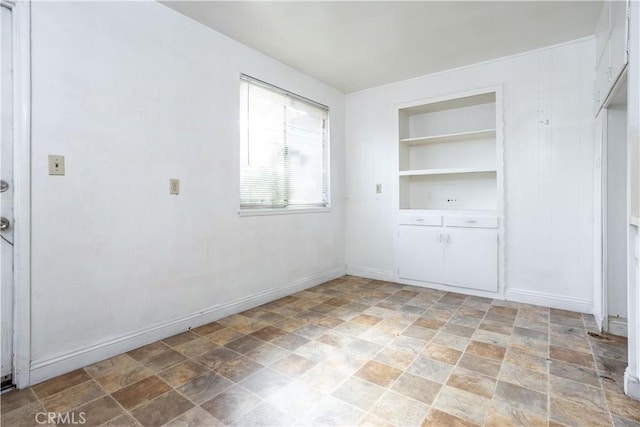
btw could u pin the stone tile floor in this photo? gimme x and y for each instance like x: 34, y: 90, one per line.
x: 353, y: 352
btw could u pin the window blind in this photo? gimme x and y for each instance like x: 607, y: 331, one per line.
x: 283, y: 148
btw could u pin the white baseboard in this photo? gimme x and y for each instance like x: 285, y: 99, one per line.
x: 631, y: 385
x: 370, y: 273
x: 617, y: 326
x: 548, y: 300
x: 449, y: 288
x: 50, y: 367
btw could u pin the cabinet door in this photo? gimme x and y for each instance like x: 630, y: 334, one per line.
x: 603, y: 29
x: 618, y: 42
x: 420, y: 253
x: 471, y: 258
x: 603, y: 78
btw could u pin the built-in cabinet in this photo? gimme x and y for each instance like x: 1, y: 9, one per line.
x: 612, y: 35
x: 450, y: 192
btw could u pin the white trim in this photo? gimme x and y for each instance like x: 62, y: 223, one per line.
x: 370, y: 273
x: 21, y: 14
x: 59, y: 364
x: 500, y: 189
x: 631, y: 385
x: 617, y: 326
x: 281, y: 211
x: 448, y: 288
x: 549, y: 300
x: 598, y: 222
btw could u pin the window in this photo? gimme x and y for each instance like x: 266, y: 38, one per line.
x: 284, y: 149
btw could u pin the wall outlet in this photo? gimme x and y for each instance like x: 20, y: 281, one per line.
x: 174, y: 186
x: 378, y: 188
x: 56, y: 164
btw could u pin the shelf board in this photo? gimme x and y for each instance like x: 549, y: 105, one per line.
x: 450, y: 137
x: 420, y: 172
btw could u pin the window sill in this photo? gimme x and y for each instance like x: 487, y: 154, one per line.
x: 281, y: 211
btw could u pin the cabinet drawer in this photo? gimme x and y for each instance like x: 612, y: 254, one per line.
x: 415, y: 219
x: 473, y: 221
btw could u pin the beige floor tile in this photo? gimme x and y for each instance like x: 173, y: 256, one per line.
x: 431, y: 369
x: 97, y: 412
x: 623, y: 406
x: 472, y: 382
x: 141, y: 392
x: 572, y: 356
x: 400, y: 410
x: 116, y: 380
x: 231, y: 404
x: 15, y: 399
x: 359, y: 393
x: 73, y: 397
x: 356, y: 351
x: 502, y: 415
x: 482, y: 365
x: 489, y: 351
x: 378, y: 373
x: 196, y: 417
x: 517, y: 375
x: 577, y: 393
x: 162, y: 409
x: 204, y: 387
x: 462, y: 404
x: 182, y: 373
x: 575, y: 414
x: 438, y: 418
x: 526, y: 360
x: 60, y: 383
x: 417, y: 387
x: 522, y: 398
x: 265, y: 382
x: 397, y: 358
x: 442, y: 353
x: 324, y: 378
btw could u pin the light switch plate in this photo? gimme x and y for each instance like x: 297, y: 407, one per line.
x: 174, y: 186
x: 56, y: 164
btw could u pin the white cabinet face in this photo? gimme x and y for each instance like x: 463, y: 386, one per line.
x: 618, y: 38
x: 471, y: 259
x: 420, y: 254
x: 603, y: 78
x: 603, y: 28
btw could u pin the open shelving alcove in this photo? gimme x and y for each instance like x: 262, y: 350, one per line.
x: 450, y: 191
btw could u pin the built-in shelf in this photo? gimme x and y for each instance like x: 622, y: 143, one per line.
x: 451, y: 137
x: 634, y: 220
x: 449, y: 171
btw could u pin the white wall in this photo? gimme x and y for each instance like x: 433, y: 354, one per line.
x: 548, y: 170
x: 134, y: 94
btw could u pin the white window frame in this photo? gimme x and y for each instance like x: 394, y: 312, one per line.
x: 285, y: 210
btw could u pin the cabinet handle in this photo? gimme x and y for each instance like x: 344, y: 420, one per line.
x: 448, y: 238
x: 419, y: 219
x: 471, y: 221
x: 440, y: 238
